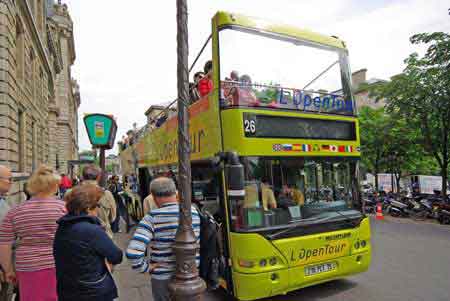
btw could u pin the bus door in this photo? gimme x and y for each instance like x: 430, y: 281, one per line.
x: 144, y: 182
x: 207, y: 195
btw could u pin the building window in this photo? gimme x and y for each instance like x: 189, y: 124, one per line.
x: 20, y: 142
x: 39, y: 16
x: 20, y: 49
x: 33, y: 146
x: 41, y: 85
x: 31, y: 4
x: 30, y: 73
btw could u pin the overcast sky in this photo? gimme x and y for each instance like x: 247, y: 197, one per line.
x: 126, y: 50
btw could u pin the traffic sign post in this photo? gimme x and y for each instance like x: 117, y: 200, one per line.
x: 102, y: 130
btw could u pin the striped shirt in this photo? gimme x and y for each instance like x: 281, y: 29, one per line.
x: 33, y: 224
x: 157, y: 229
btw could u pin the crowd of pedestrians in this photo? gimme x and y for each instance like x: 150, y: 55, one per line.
x: 58, y: 244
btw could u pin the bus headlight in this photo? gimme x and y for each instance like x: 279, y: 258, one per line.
x: 246, y: 263
x: 357, y: 244
x: 363, y: 243
x: 263, y: 263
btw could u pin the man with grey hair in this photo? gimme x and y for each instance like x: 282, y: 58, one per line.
x: 157, y: 229
x: 5, y: 186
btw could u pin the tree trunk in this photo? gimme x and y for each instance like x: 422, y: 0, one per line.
x: 444, y: 174
x: 376, y: 179
x: 377, y: 170
x: 397, y: 181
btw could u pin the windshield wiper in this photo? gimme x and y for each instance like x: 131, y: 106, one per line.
x: 348, y: 220
x: 294, y: 226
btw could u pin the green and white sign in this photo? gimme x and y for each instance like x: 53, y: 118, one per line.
x: 101, y: 130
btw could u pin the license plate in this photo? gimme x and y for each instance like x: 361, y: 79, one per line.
x: 320, y: 268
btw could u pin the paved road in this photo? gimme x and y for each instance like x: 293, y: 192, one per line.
x: 411, y: 261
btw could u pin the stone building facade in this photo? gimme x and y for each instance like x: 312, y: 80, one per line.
x: 360, y: 85
x: 39, y: 100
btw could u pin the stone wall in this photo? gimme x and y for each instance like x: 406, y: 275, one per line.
x: 38, y: 107
x: 24, y: 89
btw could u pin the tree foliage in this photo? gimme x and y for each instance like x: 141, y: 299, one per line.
x: 421, y: 96
x: 388, y: 144
x: 373, y: 127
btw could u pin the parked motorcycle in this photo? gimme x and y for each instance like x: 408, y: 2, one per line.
x: 398, y: 209
x: 443, y: 211
x: 409, y: 207
x: 444, y: 216
x: 370, y: 203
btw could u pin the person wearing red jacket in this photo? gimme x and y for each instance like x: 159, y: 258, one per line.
x: 205, y: 85
x: 64, y: 184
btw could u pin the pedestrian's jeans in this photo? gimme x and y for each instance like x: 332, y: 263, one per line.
x: 160, y: 290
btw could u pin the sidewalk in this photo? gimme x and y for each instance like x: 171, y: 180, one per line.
x: 134, y: 286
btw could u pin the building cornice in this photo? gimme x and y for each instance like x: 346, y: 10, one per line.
x: 52, y: 46
x: 66, y: 27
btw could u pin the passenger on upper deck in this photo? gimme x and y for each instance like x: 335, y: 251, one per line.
x: 205, y: 85
x: 243, y: 95
x: 193, y: 87
x: 161, y: 119
x: 229, y: 83
x: 234, y: 76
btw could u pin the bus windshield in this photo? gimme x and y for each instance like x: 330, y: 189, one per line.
x: 282, y: 191
x: 267, y: 70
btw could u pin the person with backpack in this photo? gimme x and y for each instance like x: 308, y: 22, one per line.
x: 157, y: 231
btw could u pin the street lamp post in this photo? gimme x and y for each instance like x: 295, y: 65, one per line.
x: 186, y: 285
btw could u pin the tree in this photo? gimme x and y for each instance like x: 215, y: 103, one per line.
x: 388, y: 144
x: 373, y: 126
x: 401, y: 151
x: 421, y: 95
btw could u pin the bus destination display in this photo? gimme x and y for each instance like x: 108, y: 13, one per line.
x: 266, y: 126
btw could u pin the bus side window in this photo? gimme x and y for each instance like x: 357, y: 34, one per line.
x: 205, y: 190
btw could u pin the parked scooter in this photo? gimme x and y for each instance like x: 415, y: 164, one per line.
x: 371, y: 205
x: 443, y: 211
x: 398, y: 209
x: 444, y: 216
x: 409, y: 207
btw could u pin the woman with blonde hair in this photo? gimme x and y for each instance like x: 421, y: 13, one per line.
x: 33, y: 224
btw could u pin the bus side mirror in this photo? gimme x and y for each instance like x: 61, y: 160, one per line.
x: 234, y: 173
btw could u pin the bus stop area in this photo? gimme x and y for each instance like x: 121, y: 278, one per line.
x: 403, y: 252
x: 135, y: 286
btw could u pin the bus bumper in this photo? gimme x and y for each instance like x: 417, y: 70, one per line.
x: 262, y: 285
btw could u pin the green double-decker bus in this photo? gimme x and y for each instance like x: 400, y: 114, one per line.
x: 280, y: 110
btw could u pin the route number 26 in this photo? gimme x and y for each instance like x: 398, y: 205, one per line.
x: 249, y: 126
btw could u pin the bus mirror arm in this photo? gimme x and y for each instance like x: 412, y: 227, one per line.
x: 234, y: 173
x: 228, y: 157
